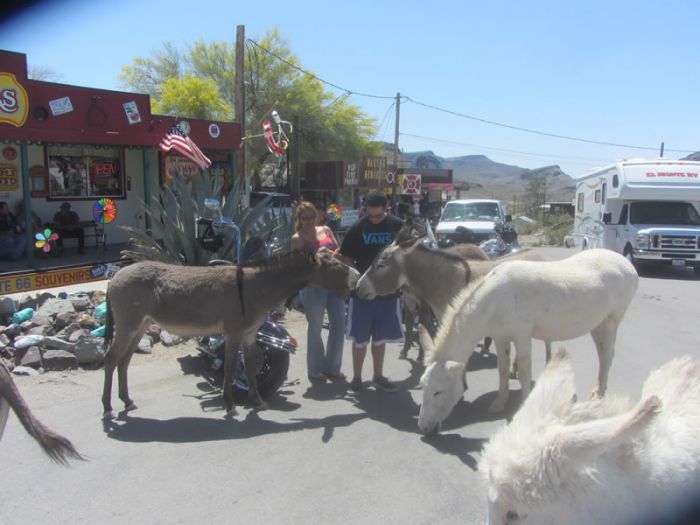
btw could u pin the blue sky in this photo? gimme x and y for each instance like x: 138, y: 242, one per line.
x: 622, y: 72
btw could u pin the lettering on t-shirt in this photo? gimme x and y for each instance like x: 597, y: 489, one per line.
x: 377, y: 238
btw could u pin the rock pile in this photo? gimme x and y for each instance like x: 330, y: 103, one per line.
x: 46, y: 332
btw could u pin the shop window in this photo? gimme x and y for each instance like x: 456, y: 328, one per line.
x: 85, y: 171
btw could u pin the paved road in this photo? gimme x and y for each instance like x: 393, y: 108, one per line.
x: 316, y: 456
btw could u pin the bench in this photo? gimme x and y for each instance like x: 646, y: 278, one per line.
x: 90, y: 229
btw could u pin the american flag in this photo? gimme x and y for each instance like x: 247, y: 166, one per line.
x: 176, y: 140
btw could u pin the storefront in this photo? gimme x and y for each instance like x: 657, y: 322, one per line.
x: 62, y: 143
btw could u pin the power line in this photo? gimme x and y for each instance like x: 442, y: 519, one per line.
x: 302, y: 70
x: 381, y: 125
x: 463, y: 115
x: 544, y: 133
x: 506, y: 151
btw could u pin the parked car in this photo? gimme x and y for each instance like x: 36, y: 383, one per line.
x: 482, y: 217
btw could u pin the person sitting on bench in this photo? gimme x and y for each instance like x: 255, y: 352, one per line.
x: 12, y: 240
x: 67, y: 226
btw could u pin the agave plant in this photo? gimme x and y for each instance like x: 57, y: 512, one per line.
x: 173, y: 236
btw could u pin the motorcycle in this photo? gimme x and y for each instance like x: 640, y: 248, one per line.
x: 274, y: 341
x: 503, y: 242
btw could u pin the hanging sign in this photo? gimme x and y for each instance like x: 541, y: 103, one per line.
x: 410, y: 185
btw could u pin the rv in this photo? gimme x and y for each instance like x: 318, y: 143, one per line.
x: 647, y: 210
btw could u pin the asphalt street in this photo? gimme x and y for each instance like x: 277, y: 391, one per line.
x: 317, y: 455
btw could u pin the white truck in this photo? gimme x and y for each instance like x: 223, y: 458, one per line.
x: 480, y: 216
x: 647, y: 210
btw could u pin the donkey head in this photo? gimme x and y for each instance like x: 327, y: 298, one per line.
x: 331, y: 274
x: 533, y: 465
x: 386, y: 274
x: 442, y: 389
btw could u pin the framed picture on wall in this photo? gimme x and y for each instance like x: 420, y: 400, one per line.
x: 39, y: 181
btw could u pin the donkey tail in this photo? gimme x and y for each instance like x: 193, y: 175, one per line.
x: 57, y: 447
x: 109, y: 323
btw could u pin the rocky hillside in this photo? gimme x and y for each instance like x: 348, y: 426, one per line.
x: 486, y: 178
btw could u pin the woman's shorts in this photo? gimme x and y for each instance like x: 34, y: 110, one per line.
x: 378, y: 318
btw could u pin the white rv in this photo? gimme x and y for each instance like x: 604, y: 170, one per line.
x: 647, y: 210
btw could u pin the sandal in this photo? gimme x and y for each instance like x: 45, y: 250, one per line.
x: 335, y: 377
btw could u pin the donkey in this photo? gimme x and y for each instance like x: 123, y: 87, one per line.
x: 57, y: 447
x: 521, y: 300
x: 430, y: 276
x: 416, y: 303
x: 602, y: 461
x: 204, y: 300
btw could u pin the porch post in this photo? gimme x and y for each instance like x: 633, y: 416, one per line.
x: 146, y: 188
x: 26, y: 194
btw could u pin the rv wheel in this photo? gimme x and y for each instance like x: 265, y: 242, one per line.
x: 630, y: 257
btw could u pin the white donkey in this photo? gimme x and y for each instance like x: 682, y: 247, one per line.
x: 521, y: 300
x: 601, y: 461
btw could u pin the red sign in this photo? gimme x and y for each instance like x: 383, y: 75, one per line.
x: 410, y: 185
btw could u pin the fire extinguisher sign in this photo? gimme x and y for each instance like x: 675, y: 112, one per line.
x: 410, y: 184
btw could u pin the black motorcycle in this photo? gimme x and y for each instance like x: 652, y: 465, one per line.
x: 273, y: 340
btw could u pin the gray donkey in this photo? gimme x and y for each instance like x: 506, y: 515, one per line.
x: 206, y: 300
x: 57, y: 447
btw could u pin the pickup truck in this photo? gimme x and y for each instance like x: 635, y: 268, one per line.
x: 483, y: 217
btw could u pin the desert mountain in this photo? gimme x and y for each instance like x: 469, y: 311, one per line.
x: 482, y: 177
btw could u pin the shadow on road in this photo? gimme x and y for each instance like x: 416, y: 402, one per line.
x: 202, y: 429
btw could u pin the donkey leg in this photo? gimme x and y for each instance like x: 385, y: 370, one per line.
x: 230, y: 371
x: 253, y: 356
x: 110, y: 364
x: 122, y: 371
x: 115, y: 355
x: 503, y: 360
x: 604, y: 336
x: 523, y: 357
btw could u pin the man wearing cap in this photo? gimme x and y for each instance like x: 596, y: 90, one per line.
x: 67, y: 225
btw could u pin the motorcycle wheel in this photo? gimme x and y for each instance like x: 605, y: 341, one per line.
x: 272, y: 374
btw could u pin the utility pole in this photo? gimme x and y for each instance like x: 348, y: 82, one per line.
x: 239, y: 96
x: 396, y: 152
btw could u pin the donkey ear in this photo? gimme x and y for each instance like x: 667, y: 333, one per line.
x: 553, y: 392
x: 582, y: 442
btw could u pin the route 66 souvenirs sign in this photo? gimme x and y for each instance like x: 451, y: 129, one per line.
x: 410, y: 185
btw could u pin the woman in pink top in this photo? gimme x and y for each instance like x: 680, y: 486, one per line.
x: 322, y: 363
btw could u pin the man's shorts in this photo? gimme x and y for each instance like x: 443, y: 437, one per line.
x: 378, y: 318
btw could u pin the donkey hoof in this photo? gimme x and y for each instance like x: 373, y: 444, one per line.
x: 258, y: 405
x: 108, y: 416
x: 131, y: 406
x: 403, y: 354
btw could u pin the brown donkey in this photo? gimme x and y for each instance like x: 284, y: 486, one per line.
x: 58, y: 448
x: 207, y: 300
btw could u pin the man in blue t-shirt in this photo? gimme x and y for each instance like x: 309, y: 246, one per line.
x: 378, y: 319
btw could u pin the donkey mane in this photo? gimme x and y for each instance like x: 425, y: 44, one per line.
x: 440, y: 253
x: 458, y: 305
x: 274, y: 261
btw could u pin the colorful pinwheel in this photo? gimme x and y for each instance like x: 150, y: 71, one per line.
x: 334, y: 213
x: 104, y: 211
x: 43, y: 239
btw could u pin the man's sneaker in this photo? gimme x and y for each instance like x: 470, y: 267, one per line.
x: 382, y: 383
x: 355, y: 385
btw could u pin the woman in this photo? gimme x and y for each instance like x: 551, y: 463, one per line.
x: 322, y: 363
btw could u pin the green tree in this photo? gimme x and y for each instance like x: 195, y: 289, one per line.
x: 329, y: 126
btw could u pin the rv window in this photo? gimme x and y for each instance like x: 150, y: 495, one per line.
x: 579, y: 203
x: 623, y: 215
x: 615, y: 181
x: 597, y: 196
x: 605, y: 187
